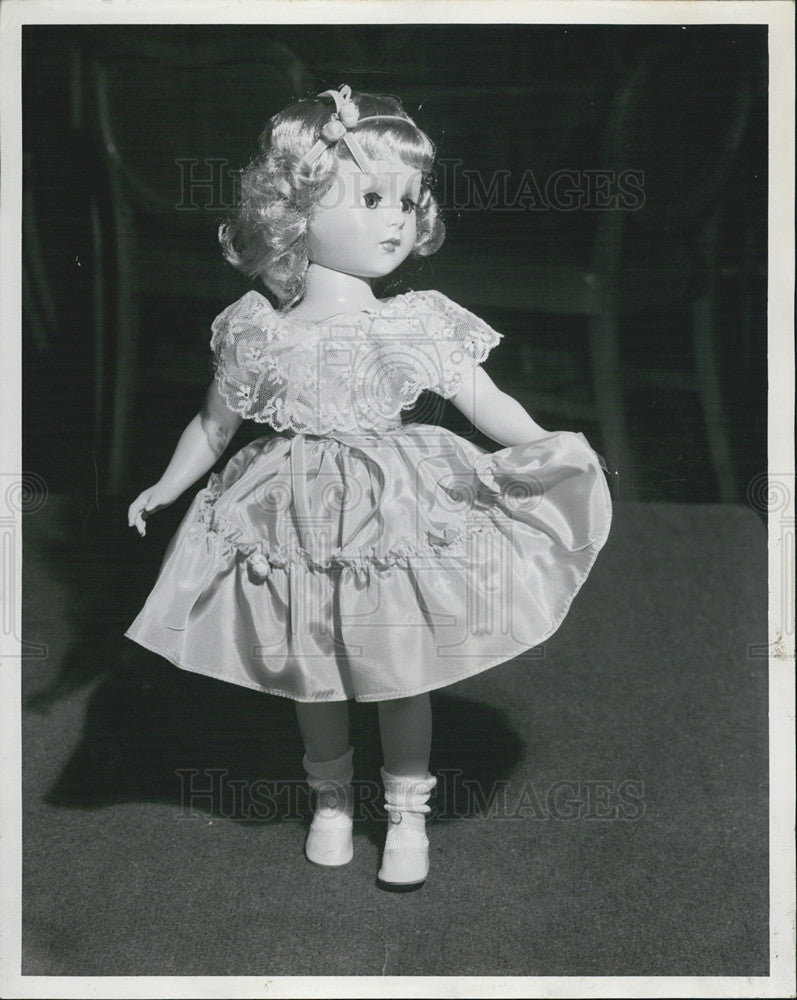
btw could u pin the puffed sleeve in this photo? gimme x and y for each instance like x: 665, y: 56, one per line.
x: 245, y: 377
x: 454, y: 340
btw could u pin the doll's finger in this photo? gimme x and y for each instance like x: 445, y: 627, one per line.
x: 134, y: 509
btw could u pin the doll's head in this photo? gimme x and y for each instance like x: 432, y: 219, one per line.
x: 309, y: 154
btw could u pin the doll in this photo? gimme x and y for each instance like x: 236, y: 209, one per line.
x: 346, y: 554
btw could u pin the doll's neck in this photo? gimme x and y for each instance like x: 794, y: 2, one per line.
x: 328, y: 292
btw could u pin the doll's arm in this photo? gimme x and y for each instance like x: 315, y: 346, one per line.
x: 201, y: 443
x: 494, y: 412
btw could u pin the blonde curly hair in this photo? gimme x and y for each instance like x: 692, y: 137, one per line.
x: 266, y: 235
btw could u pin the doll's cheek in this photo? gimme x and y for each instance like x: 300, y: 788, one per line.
x: 321, y: 236
x: 408, y: 236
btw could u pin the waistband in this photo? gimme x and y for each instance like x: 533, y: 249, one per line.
x: 349, y: 437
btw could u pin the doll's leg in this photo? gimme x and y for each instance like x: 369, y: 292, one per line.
x: 324, y: 727
x: 328, y: 765
x: 405, y: 727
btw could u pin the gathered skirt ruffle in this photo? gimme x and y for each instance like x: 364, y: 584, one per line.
x: 376, y: 567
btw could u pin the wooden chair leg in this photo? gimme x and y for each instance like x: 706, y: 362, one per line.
x: 32, y: 317
x: 98, y: 292
x: 37, y: 295
x: 36, y: 258
x: 605, y: 351
x: 710, y: 391
x: 126, y: 347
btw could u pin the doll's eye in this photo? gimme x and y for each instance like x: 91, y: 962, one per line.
x: 408, y: 205
x: 371, y: 199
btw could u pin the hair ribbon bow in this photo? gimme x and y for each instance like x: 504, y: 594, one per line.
x: 345, y: 117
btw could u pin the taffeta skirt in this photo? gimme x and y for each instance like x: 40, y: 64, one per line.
x: 369, y: 567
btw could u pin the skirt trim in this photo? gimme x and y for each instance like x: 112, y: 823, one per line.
x: 471, y: 671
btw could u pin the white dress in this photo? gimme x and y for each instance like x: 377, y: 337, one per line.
x: 347, y: 555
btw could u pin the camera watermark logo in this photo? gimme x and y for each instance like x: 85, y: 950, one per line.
x: 19, y: 495
x: 358, y: 514
x: 773, y: 495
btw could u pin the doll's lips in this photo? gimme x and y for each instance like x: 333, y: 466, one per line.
x: 390, y: 245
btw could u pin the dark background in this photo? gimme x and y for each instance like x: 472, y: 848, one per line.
x: 493, y: 97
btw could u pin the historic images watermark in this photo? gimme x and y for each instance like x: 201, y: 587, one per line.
x: 458, y: 523
x: 473, y: 541
x: 564, y: 190
x: 773, y: 495
x: 213, y: 185
x: 19, y: 495
x: 212, y: 791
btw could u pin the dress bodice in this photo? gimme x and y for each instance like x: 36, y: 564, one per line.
x: 350, y: 372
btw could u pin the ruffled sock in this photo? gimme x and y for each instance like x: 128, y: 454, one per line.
x: 405, y: 859
x: 330, y: 838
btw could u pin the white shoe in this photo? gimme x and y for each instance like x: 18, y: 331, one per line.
x: 330, y: 838
x: 405, y: 859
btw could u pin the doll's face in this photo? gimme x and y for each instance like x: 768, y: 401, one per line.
x: 365, y: 224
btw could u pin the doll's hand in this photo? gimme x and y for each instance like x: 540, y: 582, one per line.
x: 148, y: 502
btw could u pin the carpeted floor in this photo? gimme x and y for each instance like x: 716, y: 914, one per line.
x: 626, y: 760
